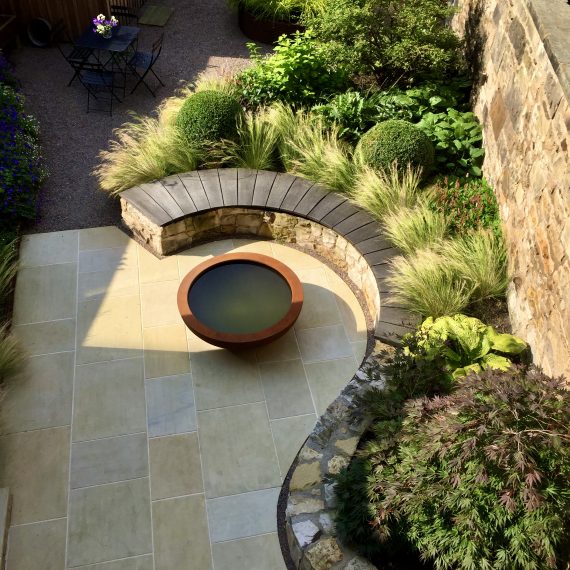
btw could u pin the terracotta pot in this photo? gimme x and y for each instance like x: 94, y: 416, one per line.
x: 265, y: 31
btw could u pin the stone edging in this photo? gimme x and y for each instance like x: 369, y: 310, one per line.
x: 182, y: 210
x: 309, y: 515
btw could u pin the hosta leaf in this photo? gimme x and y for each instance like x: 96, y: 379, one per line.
x: 507, y: 343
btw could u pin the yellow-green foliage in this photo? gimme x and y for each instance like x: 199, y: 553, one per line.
x: 11, y: 355
x: 410, y: 229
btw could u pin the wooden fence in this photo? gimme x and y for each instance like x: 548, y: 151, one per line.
x: 75, y: 13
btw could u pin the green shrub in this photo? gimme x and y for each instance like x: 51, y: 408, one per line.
x: 457, y: 137
x: 426, y: 284
x: 464, y: 344
x: 395, y: 141
x: 480, y: 257
x: 478, y: 478
x: 209, y: 116
x: 410, y: 229
x: 467, y: 203
x: 296, y: 73
x: 392, y: 40
x: 8, y: 269
x: 382, y: 192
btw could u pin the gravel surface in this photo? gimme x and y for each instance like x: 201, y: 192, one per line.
x: 201, y: 35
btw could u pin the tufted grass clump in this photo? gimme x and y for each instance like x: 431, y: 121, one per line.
x: 411, y: 229
x: 382, y: 192
x: 426, y: 284
x: 480, y: 257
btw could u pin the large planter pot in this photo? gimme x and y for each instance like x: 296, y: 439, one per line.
x: 265, y: 31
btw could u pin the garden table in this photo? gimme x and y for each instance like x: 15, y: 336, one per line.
x: 116, y: 46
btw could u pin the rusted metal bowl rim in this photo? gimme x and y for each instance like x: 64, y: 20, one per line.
x: 235, y: 340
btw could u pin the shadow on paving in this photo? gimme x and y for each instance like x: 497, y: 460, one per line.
x: 201, y: 35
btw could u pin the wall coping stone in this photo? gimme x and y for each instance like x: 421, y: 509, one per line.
x: 167, y: 206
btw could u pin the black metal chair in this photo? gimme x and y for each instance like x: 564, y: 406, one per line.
x: 124, y: 14
x: 100, y: 84
x: 145, y: 61
x: 74, y: 55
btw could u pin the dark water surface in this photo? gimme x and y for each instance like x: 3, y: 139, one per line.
x: 240, y: 297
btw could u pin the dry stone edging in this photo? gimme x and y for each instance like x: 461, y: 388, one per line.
x: 311, y: 502
x: 194, y: 207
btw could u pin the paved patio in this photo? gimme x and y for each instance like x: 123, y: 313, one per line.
x: 129, y: 444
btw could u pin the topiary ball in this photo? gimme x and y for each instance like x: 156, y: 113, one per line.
x: 395, y: 140
x: 209, y: 116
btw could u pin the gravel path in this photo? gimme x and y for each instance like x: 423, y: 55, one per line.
x: 201, y: 35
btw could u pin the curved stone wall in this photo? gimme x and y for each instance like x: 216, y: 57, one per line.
x: 183, y: 210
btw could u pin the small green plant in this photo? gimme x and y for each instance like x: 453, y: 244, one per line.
x: 296, y: 73
x: 426, y: 284
x: 465, y: 344
x: 382, y: 192
x: 256, y: 145
x: 310, y: 150
x: 208, y: 116
x: 468, y: 203
x: 410, y: 229
x: 395, y: 141
x: 480, y: 257
x: 8, y: 269
x: 457, y: 137
x: 478, y: 478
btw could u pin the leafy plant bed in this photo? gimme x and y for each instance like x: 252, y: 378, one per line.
x: 263, y: 30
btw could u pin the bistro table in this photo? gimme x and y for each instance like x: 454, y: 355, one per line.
x: 117, y: 46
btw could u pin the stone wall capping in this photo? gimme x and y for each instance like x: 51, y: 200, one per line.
x: 185, y: 209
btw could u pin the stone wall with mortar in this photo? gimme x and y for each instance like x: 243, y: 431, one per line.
x: 231, y: 221
x: 520, y: 54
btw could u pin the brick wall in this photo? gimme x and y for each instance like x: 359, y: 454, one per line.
x: 520, y: 53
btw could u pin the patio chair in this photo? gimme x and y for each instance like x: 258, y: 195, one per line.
x: 74, y: 55
x: 100, y: 85
x: 145, y: 61
x: 124, y: 14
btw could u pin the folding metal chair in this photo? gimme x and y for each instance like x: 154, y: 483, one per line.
x: 100, y: 84
x: 75, y: 56
x: 145, y: 61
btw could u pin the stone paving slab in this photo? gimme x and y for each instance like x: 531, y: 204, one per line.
x: 176, y: 450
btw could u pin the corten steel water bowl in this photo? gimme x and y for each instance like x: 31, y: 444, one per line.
x: 240, y: 300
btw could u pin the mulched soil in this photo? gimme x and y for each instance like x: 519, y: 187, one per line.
x: 201, y: 35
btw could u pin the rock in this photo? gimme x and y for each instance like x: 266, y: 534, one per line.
x: 308, y: 454
x: 298, y: 505
x: 305, y: 475
x: 324, y: 554
x: 347, y: 445
x: 306, y: 532
x: 359, y: 563
x: 327, y: 523
x: 330, y: 495
x: 337, y: 463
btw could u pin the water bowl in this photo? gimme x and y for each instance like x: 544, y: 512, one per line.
x: 240, y: 300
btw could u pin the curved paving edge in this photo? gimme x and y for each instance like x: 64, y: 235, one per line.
x: 181, y: 210
x: 310, y: 506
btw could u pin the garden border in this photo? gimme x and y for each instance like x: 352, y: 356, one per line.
x: 181, y: 210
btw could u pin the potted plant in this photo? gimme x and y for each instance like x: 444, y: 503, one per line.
x: 103, y: 26
x: 266, y: 20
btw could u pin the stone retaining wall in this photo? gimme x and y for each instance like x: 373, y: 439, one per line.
x: 309, y: 517
x: 221, y: 222
x: 520, y: 53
